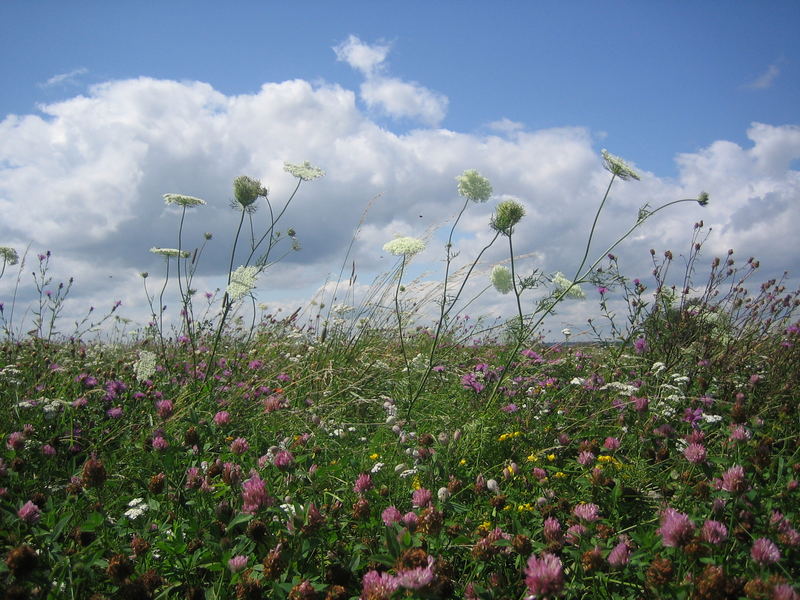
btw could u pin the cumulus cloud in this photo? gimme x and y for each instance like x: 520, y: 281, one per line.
x: 389, y: 95
x: 85, y: 177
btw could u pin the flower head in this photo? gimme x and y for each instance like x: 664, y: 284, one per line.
x: 618, y: 167
x: 620, y: 555
x: 29, y: 512
x: 562, y: 284
x: 544, y: 576
x: 765, y: 552
x: 676, y: 528
x: 404, y: 246
x: 145, y: 366
x: 702, y: 199
x: 474, y: 186
x: 254, y: 494
x: 243, y: 280
x: 246, y: 190
x: 305, y: 172
x: 501, y: 279
x: 237, y: 563
x: 9, y: 255
x: 182, y: 200
x: 587, y: 511
x: 170, y: 252
x: 507, y: 214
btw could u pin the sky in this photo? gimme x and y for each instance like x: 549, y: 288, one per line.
x: 107, y: 106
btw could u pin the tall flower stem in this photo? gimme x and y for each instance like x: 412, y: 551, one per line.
x: 400, y: 317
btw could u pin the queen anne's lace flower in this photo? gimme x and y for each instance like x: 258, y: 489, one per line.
x: 474, y: 186
x: 306, y: 171
x: 170, y: 252
x: 183, y: 200
x: 9, y: 255
x: 501, y: 279
x: 243, y: 280
x: 562, y: 283
x: 145, y: 366
x: 618, y: 167
x: 404, y: 246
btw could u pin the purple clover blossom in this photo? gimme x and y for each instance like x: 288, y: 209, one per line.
x: 378, y: 586
x: 620, y: 555
x: 254, y: 494
x: 470, y: 382
x: 29, y: 512
x: 765, y: 552
x: 283, y: 460
x: 544, y: 576
x: 237, y: 563
x: 640, y: 345
x: 587, y: 512
x: 363, y: 483
x: 676, y: 528
x: 695, y: 453
x: 421, y: 498
x: 414, y: 579
x: 713, y: 532
x: 239, y: 446
x: 693, y: 416
x: 390, y: 516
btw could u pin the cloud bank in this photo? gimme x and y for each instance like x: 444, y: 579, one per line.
x: 84, y: 178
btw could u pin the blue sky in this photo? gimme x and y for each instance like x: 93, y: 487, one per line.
x: 675, y: 88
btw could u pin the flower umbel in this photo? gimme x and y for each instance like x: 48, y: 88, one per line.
x: 507, y: 214
x: 9, y: 255
x: 306, y: 171
x: 243, y: 280
x: 501, y: 279
x: 562, y: 283
x: 182, y: 200
x: 404, y: 246
x: 618, y: 167
x: 474, y: 186
x: 246, y: 190
x: 170, y: 252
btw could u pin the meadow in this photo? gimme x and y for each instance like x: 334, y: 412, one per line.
x: 370, y: 452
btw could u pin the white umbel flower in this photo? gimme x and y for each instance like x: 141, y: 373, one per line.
x: 243, y: 280
x: 145, y: 366
x: 404, y: 246
x: 170, y: 252
x: 618, y: 167
x: 182, y: 200
x: 306, y: 171
x: 474, y: 186
x: 562, y: 283
x: 501, y: 279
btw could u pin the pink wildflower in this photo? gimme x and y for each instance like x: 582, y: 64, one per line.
x: 574, y: 534
x: 239, y: 446
x: 391, y: 515
x: 363, y: 483
x: 164, y: 408
x: 414, y: 579
x: 16, y: 441
x: 237, y: 563
x: 254, y: 494
x: 611, y: 443
x: 587, y: 512
x: 586, y: 458
x: 733, y: 479
x: 544, y: 576
x: 765, y: 552
x: 714, y: 532
x: 784, y: 591
x: 159, y: 443
x: 29, y: 512
x: 620, y: 555
x: 552, y: 530
x: 676, y: 528
x: 378, y: 586
x: 48, y: 450
x: 223, y: 417
x: 695, y: 453
x: 421, y: 498
x: 283, y: 460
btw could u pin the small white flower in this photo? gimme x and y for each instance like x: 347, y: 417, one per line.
x: 618, y: 167
x: 658, y: 367
x: 170, y: 252
x: 408, y: 473
x: 474, y: 186
x: 182, y: 200
x: 501, y: 279
x: 376, y: 467
x: 400, y: 468
x: 145, y: 366
x: 404, y: 246
x: 243, y: 280
x: 306, y: 171
x: 443, y: 494
x: 562, y: 283
x: 712, y: 418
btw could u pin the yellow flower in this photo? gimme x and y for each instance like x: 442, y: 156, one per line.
x: 532, y: 458
x: 560, y: 475
x: 604, y: 458
x: 551, y: 457
x: 416, y: 484
x: 374, y: 456
x: 334, y: 462
x: 462, y: 462
x: 527, y: 507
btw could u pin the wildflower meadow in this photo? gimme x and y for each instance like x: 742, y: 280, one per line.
x: 388, y: 446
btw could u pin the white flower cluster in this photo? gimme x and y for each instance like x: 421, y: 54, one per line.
x: 618, y: 167
x: 404, y: 246
x: 170, y: 252
x: 145, y: 366
x: 137, y: 507
x: 305, y: 172
x: 562, y: 283
x: 501, y: 279
x: 243, y: 280
x: 182, y: 200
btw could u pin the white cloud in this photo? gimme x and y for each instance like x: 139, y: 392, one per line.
x: 389, y: 95
x: 364, y: 57
x: 64, y: 78
x: 766, y: 79
x: 401, y: 99
x: 85, y: 179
